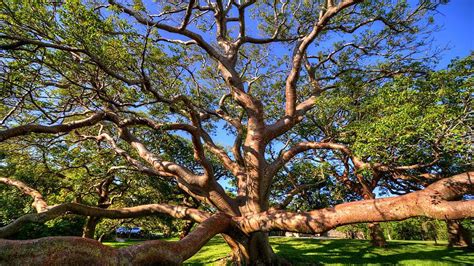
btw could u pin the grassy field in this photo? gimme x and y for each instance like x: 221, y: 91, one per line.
x: 303, y: 251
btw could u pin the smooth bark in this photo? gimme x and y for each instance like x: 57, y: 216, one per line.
x: 458, y: 236
x: 434, y: 202
x: 83, y: 251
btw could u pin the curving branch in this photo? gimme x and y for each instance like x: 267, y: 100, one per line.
x: 82, y: 251
x: 300, y: 51
x: 66, y: 127
x: 195, y: 131
x: 38, y: 201
x: 286, y: 156
x: 179, y: 212
x: 435, y: 201
x: 359, y: 164
x: 205, y: 186
x: 137, y: 164
x: 178, y: 30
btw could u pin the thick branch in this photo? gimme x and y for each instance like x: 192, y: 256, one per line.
x: 131, y: 212
x: 300, y: 51
x: 82, y: 251
x: 38, y: 201
x: 434, y: 202
x: 195, y: 132
x: 66, y: 127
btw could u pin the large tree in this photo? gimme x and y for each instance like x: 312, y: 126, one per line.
x: 126, y: 74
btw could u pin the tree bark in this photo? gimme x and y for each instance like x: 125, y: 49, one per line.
x: 261, y: 253
x: 83, y: 251
x: 245, y: 234
x: 377, y: 238
x: 89, y: 227
x: 458, y: 236
x: 376, y: 235
x: 186, y: 229
x: 251, y: 249
x: 179, y: 212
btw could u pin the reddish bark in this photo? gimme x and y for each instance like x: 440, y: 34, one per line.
x: 458, y: 236
x: 38, y: 201
x: 83, y: 251
x: 75, y: 208
x: 434, y: 201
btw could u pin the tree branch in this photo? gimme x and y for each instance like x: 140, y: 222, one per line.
x: 38, y: 201
x: 82, y: 251
x: 179, y: 212
x: 66, y: 127
x: 434, y: 202
x: 300, y: 51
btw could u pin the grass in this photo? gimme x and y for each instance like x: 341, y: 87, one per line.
x: 305, y: 251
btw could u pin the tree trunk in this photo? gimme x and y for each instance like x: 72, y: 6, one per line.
x: 376, y: 235
x: 89, y: 227
x: 458, y: 236
x: 186, y: 229
x: 254, y: 249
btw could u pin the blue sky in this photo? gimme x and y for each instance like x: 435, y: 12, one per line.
x: 457, y: 18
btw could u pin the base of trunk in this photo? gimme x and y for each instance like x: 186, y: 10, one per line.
x: 89, y: 227
x: 458, y: 236
x: 376, y: 235
x: 254, y: 249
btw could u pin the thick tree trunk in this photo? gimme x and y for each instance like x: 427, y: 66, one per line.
x: 261, y: 253
x: 458, y: 236
x: 376, y: 235
x: 186, y: 229
x: 254, y: 249
x: 83, y: 251
x: 89, y: 227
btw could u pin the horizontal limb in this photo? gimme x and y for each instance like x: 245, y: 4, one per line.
x: 82, y: 251
x: 435, y: 201
x: 179, y: 212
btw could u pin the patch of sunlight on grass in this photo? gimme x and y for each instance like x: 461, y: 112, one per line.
x: 304, y: 251
x: 214, y: 251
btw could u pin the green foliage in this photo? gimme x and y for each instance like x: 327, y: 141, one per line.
x: 416, y: 229
x: 410, y: 229
x: 63, y: 226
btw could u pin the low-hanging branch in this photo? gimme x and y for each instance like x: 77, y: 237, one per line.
x: 83, y: 251
x: 359, y: 164
x: 46, y: 213
x: 436, y: 201
x: 178, y: 212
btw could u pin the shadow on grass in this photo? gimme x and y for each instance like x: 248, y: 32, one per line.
x: 313, y: 252
x: 302, y: 251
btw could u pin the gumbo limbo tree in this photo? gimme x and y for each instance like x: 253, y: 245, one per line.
x: 283, y: 80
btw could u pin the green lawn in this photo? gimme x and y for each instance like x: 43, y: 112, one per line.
x: 302, y: 251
